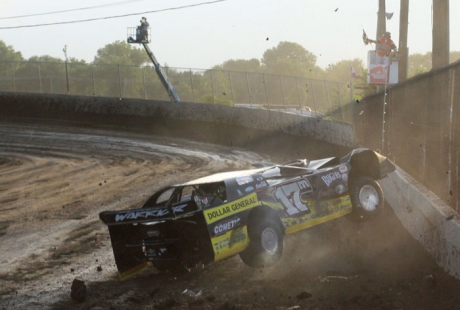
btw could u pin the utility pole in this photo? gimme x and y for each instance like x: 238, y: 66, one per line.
x: 381, y: 21
x: 441, y: 48
x: 66, y: 70
x: 403, y: 51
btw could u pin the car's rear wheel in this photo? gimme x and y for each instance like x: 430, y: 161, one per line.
x: 265, y: 244
x: 367, y: 199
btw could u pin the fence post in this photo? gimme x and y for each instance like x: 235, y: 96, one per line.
x: 143, y: 83
x: 351, y: 90
x: 212, y: 85
x: 298, y: 95
x: 67, y: 77
x: 191, y: 84
x: 352, y: 104
x: 39, y: 77
x: 313, y: 97
x: 12, y: 77
x: 249, y: 90
x: 231, y: 86
x: 94, y: 81
x: 282, y: 92
x: 340, y: 101
x: 328, y: 100
x: 119, y: 81
x: 266, y: 93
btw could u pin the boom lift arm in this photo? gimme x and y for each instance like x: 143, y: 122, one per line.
x: 136, y: 33
x: 162, y: 75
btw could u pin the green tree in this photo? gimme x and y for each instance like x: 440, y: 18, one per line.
x: 286, y: 59
x: 454, y: 56
x: 44, y: 74
x: 231, y: 81
x: 121, y: 53
x: 340, y: 71
x: 291, y: 59
x: 7, y: 53
x: 117, y: 70
x: 288, y: 50
x: 419, y: 63
x: 251, y: 65
x: 7, y: 56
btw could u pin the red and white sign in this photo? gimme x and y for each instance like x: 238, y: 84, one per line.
x: 378, y: 74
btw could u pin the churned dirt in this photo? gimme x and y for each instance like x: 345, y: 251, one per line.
x: 55, y: 177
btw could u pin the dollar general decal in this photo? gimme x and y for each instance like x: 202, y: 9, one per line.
x: 228, y: 209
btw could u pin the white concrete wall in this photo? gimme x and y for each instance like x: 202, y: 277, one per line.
x: 317, y: 128
x: 427, y: 218
x: 60, y: 105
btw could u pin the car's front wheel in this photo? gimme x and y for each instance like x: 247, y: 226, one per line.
x: 265, y: 244
x: 367, y: 199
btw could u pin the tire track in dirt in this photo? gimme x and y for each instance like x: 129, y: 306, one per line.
x: 55, y: 181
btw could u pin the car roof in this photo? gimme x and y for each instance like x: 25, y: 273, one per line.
x: 222, y: 176
x: 275, y: 171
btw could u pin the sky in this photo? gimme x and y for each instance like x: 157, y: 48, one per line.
x: 206, y: 35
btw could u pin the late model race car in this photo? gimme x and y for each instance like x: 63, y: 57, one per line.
x: 244, y: 212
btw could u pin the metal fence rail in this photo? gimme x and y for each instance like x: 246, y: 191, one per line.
x: 309, y: 97
x: 420, y: 129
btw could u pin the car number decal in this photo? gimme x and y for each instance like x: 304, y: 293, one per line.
x: 289, y: 196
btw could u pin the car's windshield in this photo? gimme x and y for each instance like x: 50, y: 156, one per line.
x: 210, y: 194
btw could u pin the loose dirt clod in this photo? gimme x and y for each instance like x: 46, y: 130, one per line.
x: 78, y: 290
x: 303, y: 295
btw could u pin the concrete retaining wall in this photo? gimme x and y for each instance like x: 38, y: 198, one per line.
x: 430, y: 221
x: 427, y: 218
x: 316, y: 128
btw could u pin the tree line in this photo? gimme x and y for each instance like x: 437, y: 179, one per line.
x: 285, y: 59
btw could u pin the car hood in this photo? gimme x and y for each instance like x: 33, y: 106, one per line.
x: 318, y: 163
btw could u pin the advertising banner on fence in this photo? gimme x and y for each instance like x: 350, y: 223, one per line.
x: 378, y: 70
x: 377, y: 74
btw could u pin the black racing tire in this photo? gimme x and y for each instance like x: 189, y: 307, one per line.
x: 265, y: 243
x: 366, y: 198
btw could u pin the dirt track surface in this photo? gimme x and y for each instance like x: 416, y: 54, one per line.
x: 56, y: 177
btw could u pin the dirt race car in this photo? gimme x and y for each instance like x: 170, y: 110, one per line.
x: 244, y: 212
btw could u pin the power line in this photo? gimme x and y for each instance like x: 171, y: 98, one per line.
x: 117, y: 16
x: 71, y: 10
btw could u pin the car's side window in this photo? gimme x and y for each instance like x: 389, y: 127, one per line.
x: 186, y: 193
x: 165, y: 196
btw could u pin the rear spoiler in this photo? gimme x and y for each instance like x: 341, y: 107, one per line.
x: 144, y: 215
